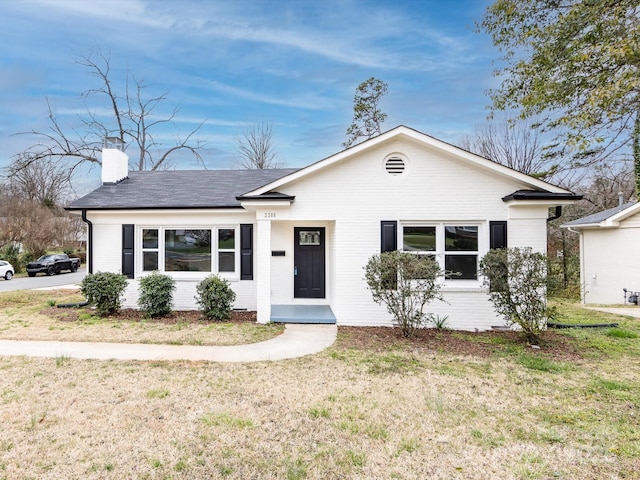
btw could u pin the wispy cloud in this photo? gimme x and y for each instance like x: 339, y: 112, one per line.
x: 369, y: 43
x: 292, y: 63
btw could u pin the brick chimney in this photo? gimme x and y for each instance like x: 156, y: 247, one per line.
x: 115, y: 163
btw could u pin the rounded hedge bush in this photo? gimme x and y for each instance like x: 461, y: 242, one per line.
x: 215, y: 297
x: 104, y: 291
x: 156, y: 294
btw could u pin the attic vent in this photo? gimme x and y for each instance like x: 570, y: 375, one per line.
x: 394, y: 166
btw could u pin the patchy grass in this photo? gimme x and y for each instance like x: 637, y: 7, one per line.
x: 32, y: 316
x: 452, y: 405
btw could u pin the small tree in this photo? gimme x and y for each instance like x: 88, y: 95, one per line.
x: 367, y: 116
x: 104, y: 291
x: 156, y: 294
x: 405, y: 283
x: 215, y: 297
x: 517, y: 279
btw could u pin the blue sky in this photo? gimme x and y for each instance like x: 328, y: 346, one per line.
x: 292, y: 64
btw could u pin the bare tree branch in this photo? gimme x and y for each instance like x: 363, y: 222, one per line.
x: 256, y: 149
x: 46, y: 182
x: 132, y: 119
x: 515, y: 144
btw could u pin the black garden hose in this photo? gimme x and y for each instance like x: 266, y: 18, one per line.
x: 581, y: 325
x: 72, y: 305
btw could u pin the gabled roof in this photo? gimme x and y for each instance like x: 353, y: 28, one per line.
x: 178, y: 189
x: 607, y: 218
x: 409, y: 133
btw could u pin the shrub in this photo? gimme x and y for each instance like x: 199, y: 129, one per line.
x: 104, y: 291
x: 405, y: 283
x: 11, y: 253
x: 156, y: 294
x: 215, y: 297
x: 517, y: 279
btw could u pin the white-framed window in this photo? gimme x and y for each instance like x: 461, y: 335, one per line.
x: 190, y: 250
x: 455, y: 246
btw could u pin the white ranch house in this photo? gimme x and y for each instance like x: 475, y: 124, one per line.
x: 293, y: 242
x: 609, y: 260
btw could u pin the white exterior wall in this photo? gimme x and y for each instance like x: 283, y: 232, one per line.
x: 107, y: 245
x: 350, y: 199
x: 107, y: 239
x: 527, y: 227
x: 282, y: 268
x: 359, y: 193
x: 610, y: 262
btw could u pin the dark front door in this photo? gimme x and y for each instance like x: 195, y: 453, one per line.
x: 308, y: 271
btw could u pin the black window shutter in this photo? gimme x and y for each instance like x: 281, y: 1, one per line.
x: 498, y: 234
x: 388, y: 236
x: 127, y: 250
x: 246, y: 251
x: 389, y: 243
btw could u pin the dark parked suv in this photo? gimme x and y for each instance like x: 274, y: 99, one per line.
x: 53, y: 264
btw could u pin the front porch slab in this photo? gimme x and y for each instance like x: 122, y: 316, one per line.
x: 302, y: 314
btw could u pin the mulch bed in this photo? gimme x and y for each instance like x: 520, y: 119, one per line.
x: 132, y: 315
x: 378, y: 339
x: 480, y: 344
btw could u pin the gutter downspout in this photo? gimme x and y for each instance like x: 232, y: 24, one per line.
x: 583, y: 290
x: 89, y: 242
x: 556, y: 215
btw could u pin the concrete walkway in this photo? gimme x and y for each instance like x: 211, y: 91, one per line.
x: 297, y: 340
x: 628, y: 311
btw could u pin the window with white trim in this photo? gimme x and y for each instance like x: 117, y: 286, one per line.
x: 207, y: 250
x: 454, y: 246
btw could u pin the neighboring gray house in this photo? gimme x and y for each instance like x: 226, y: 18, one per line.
x: 609, y: 258
x: 293, y: 243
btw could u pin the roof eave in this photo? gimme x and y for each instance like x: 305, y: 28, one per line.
x: 78, y: 208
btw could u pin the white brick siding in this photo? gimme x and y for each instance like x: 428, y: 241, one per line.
x: 107, y: 244
x: 349, y: 199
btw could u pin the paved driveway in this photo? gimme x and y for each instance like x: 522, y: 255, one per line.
x: 42, y: 281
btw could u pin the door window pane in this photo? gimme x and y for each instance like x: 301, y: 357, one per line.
x: 421, y: 239
x: 309, y: 237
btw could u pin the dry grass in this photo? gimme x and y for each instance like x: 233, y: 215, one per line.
x: 413, y: 411
x: 29, y: 316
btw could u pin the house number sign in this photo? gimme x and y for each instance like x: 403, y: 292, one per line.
x: 269, y: 214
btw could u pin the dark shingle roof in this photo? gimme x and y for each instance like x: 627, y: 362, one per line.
x: 178, y: 189
x: 540, y: 195
x: 598, y: 217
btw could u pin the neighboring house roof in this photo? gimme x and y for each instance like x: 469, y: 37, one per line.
x: 606, y: 218
x: 408, y: 133
x: 178, y: 189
